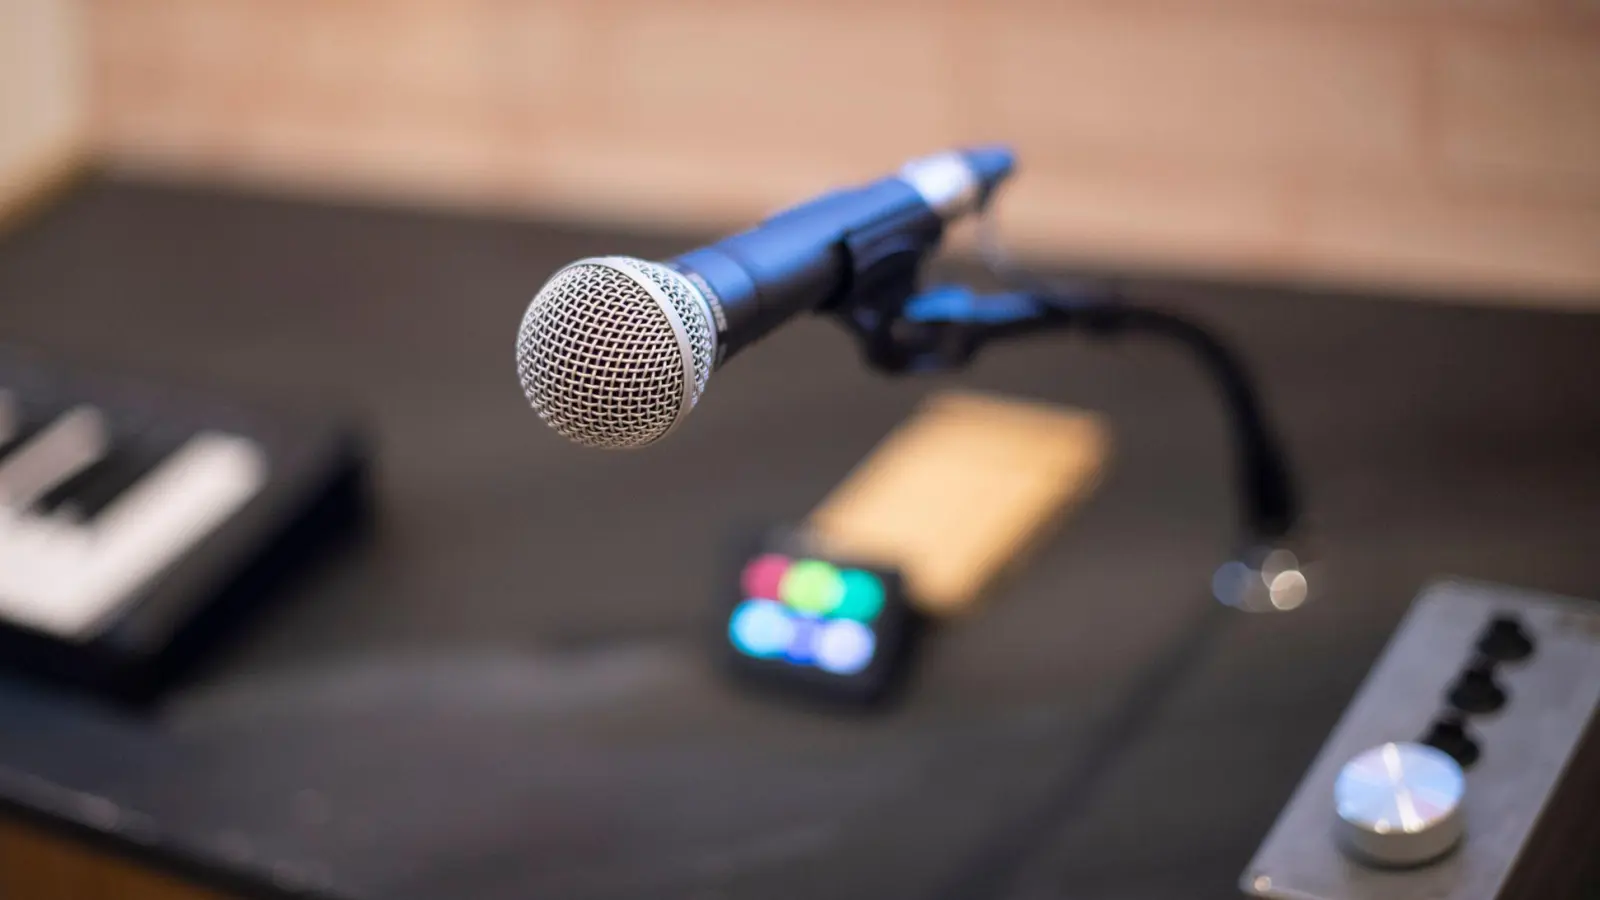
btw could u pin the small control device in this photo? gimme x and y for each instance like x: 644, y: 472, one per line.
x: 1466, y: 768
x: 918, y: 533
x: 826, y: 627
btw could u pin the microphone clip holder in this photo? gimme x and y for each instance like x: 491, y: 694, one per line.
x: 943, y: 328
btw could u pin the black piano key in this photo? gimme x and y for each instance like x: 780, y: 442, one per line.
x: 87, y: 493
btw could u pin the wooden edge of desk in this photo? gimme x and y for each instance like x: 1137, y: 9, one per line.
x: 47, y: 857
x: 37, y: 864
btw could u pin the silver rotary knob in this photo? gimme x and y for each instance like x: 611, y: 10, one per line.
x: 1399, y: 804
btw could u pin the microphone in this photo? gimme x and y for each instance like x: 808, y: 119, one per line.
x: 614, y: 351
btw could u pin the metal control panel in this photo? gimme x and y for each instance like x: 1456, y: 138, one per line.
x: 1464, y: 768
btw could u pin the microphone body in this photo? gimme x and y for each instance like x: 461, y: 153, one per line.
x: 807, y: 258
x: 613, y: 351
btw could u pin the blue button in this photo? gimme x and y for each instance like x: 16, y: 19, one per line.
x: 803, y: 642
x: 761, y: 628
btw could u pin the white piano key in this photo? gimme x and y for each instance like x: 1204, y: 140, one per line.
x: 71, y: 443
x: 36, y: 554
x: 67, y: 578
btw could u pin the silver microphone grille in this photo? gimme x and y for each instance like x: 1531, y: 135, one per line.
x: 614, y: 351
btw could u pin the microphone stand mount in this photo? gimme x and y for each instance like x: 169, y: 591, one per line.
x: 942, y: 329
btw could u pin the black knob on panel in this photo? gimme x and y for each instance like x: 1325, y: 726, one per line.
x: 1476, y: 691
x: 1450, y: 735
x: 1506, y: 640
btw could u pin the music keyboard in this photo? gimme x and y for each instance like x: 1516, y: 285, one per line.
x: 130, y: 512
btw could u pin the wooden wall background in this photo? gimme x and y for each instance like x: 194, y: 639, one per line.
x: 1434, y: 145
x: 42, y: 127
x: 1440, y: 145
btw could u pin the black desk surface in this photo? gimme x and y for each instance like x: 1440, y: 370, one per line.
x: 500, y: 693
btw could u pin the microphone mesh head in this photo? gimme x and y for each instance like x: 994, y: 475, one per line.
x: 614, y: 351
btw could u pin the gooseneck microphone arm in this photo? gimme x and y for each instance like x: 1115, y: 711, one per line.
x: 943, y: 328
x: 1269, y: 506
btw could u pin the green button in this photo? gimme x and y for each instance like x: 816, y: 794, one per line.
x: 812, y: 586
